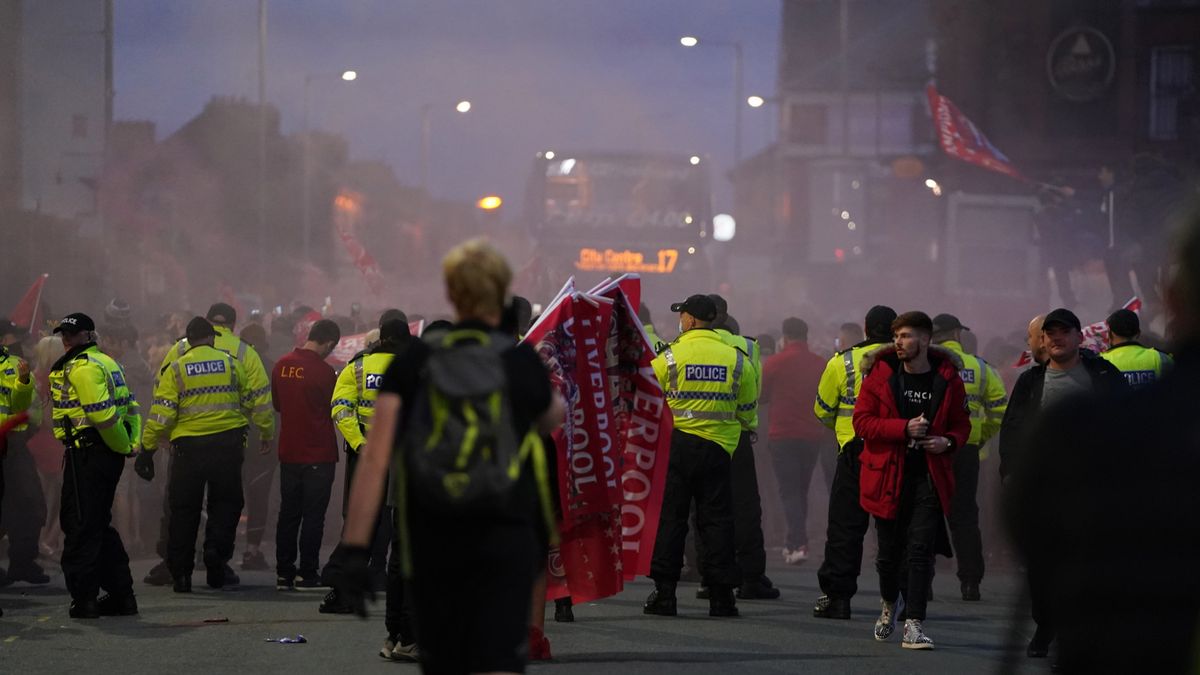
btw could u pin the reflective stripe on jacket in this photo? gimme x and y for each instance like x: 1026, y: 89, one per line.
x: 1140, y: 365
x: 202, y: 392
x: 986, y: 396
x: 838, y: 391
x: 709, y: 387
x: 353, y: 405
x: 88, y: 391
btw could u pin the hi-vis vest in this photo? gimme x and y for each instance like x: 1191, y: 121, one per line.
x: 202, y: 392
x: 88, y: 391
x: 749, y: 347
x: 838, y: 391
x: 986, y: 396
x: 15, y: 397
x: 252, y: 368
x: 1140, y: 365
x: 711, y: 389
x: 353, y: 404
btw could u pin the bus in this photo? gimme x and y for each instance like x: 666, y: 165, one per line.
x: 598, y: 214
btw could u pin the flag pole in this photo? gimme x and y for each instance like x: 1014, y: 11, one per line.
x: 38, y: 301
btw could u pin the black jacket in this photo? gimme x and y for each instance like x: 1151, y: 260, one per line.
x: 1026, y: 401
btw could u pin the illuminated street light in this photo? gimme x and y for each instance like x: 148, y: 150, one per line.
x: 756, y: 101
x: 350, y: 75
x: 549, y: 154
x: 490, y: 203
x: 738, y: 78
x: 463, y: 106
x: 306, y: 157
x: 724, y: 227
x: 695, y: 159
x: 688, y: 41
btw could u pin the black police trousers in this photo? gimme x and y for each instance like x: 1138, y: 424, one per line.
x: 698, y: 470
x: 204, y: 465
x: 964, y: 515
x: 383, y: 528
x: 93, y: 556
x: 848, y: 524
x: 24, y: 504
x: 749, y: 547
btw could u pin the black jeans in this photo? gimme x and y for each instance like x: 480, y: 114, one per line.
x: 795, y: 460
x: 698, y: 470
x: 304, y: 491
x: 24, y: 505
x: 848, y: 524
x: 204, y: 466
x: 93, y: 556
x: 905, y: 560
x: 398, y: 608
x: 964, y: 515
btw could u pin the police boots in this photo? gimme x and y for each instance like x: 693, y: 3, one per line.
x: 662, y: 600
x: 721, y: 602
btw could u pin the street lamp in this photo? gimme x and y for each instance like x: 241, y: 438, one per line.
x: 306, y: 181
x: 756, y: 101
x: 738, y: 77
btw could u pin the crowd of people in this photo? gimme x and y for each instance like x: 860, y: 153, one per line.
x: 449, y: 467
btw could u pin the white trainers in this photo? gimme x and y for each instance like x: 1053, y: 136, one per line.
x: 796, y: 556
x: 885, y: 625
x: 914, y: 636
x: 393, y: 650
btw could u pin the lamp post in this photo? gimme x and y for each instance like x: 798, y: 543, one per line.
x: 738, y: 77
x: 427, y: 109
x: 306, y: 182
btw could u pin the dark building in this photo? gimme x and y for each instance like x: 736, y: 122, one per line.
x: 855, y: 179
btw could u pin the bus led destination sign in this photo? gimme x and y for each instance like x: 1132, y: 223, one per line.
x: 617, y: 261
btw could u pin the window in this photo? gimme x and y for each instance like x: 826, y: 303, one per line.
x: 1171, y: 80
x: 79, y: 126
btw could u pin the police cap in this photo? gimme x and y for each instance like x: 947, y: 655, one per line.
x: 700, y: 306
x: 75, y: 323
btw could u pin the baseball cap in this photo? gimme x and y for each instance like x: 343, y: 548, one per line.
x: 393, y: 329
x: 947, y: 322
x: 198, y: 329
x: 75, y: 323
x: 221, y: 313
x: 700, y: 306
x: 1124, y: 322
x: 1062, y: 317
x: 9, y: 328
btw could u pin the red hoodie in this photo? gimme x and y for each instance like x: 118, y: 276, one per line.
x: 878, y: 421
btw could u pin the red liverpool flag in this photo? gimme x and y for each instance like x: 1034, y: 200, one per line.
x: 961, y: 139
x: 27, y: 313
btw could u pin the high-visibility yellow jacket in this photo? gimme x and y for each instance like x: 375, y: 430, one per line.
x: 88, y: 391
x: 246, y: 356
x: 986, y: 396
x: 353, y: 405
x: 710, y: 386
x: 838, y: 391
x: 749, y: 347
x: 1140, y: 364
x: 203, y: 392
x: 15, y: 396
x: 655, y: 341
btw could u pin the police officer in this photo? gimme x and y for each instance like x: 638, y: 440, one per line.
x: 353, y: 409
x: 203, y: 400
x: 223, y: 319
x: 648, y: 324
x: 987, y: 401
x: 848, y: 522
x: 16, y: 395
x: 747, y: 503
x: 711, y: 389
x: 97, y: 419
x: 1141, y: 365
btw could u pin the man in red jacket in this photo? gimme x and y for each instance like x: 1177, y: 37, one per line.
x: 912, y: 415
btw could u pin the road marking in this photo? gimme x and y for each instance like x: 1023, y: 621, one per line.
x: 10, y: 640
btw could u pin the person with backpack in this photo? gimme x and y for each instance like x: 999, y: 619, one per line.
x: 460, y: 411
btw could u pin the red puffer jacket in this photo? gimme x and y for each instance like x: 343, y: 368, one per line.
x: 878, y: 422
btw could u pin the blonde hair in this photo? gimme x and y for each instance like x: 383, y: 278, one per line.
x: 477, y: 278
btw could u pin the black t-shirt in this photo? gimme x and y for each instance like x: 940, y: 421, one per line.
x: 530, y: 396
x: 916, y: 399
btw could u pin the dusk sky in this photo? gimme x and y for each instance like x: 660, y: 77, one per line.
x: 541, y: 74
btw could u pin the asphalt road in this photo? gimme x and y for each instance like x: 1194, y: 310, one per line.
x: 173, y: 634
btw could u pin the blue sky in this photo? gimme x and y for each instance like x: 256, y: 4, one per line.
x: 585, y: 74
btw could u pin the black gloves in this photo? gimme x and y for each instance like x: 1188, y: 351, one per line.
x: 352, y: 580
x: 143, y: 464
